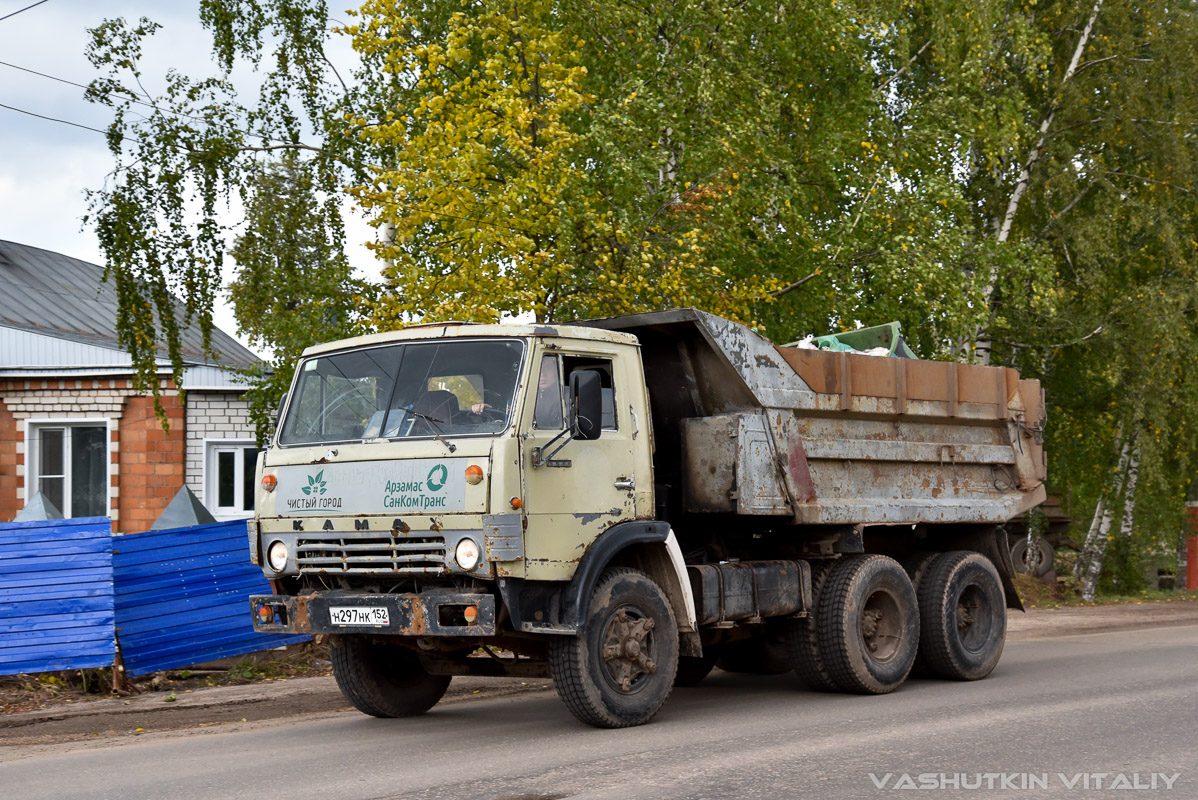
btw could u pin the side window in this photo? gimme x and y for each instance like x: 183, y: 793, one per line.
x: 547, y: 414
x: 604, y: 367
x: 229, y: 478
x: 70, y: 465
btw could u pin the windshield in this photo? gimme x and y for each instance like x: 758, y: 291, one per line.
x: 405, y: 390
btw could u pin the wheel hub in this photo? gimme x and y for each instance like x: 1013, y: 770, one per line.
x: 869, y: 628
x: 627, y: 643
x: 964, y: 617
x: 881, y: 626
x: 973, y: 614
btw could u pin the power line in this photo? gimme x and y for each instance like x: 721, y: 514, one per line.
x: 54, y: 119
x: 44, y: 75
x: 267, y: 139
x: 18, y: 11
x: 410, y: 206
x: 138, y: 101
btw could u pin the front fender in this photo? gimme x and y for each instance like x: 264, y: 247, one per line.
x: 561, y: 607
x: 578, y: 591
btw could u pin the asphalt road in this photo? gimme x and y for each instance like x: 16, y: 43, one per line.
x: 1056, y: 714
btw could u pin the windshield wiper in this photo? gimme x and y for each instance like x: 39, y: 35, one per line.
x: 432, y: 421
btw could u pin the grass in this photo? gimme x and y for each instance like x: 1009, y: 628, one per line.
x: 1036, y: 594
x: 22, y: 693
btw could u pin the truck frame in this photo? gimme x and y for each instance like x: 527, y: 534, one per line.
x: 621, y: 504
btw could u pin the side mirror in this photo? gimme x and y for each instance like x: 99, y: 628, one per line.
x: 586, y: 404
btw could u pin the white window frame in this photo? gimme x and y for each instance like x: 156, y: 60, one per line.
x: 33, y: 457
x: 211, y: 475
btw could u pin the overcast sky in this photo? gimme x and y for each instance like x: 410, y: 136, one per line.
x: 46, y: 166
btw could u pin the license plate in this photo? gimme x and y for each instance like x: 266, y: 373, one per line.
x: 375, y: 616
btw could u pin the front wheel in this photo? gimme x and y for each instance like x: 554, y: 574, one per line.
x: 619, y: 671
x: 383, y: 679
x: 868, y: 624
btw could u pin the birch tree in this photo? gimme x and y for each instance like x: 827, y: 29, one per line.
x: 1003, y: 224
x: 1120, y: 489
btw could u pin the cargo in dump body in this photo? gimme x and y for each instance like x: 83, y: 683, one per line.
x: 811, y: 437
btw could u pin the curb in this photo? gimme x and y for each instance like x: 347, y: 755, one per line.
x: 155, y: 704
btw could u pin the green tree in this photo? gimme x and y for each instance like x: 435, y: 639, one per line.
x: 1013, y: 181
x: 186, y: 156
x: 1110, y: 199
x: 293, y: 286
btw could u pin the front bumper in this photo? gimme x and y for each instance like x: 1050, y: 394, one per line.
x: 424, y: 614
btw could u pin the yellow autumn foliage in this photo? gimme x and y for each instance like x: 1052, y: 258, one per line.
x: 489, y: 205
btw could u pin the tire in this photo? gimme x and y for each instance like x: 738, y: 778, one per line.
x: 868, y: 624
x: 693, y: 669
x: 1036, y: 560
x: 806, y: 658
x: 964, y: 616
x: 916, y: 566
x: 620, y: 670
x: 383, y: 679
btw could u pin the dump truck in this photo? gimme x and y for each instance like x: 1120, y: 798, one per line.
x: 620, y: 504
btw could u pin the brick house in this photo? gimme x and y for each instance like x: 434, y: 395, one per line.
x: 72, y: 426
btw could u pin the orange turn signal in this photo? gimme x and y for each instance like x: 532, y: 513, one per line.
x: 269, y: 482
x: 474, y: 474
x: 516, y: 502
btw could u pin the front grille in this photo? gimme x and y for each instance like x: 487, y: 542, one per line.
x: 370, y: 553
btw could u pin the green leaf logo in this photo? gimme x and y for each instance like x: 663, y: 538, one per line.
x: 316, y: 484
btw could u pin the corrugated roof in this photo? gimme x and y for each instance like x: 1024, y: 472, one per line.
x: 60, y: 296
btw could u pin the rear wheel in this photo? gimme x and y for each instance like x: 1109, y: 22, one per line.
x: 383, y: 679
x: 806, y: 658
x: 964, y: 616
x: 868, y: 624
x: 619, y: 671
x: 917, y: 566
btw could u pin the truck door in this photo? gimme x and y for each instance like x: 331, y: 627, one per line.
x: 574, y: 495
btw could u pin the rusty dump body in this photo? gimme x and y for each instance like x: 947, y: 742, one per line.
x: 813, y: 438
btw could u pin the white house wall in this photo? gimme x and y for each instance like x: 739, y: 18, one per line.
x: 212, y: 416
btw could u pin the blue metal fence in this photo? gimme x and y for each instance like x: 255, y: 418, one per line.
x: 56, y: 595
x: 181, y: 597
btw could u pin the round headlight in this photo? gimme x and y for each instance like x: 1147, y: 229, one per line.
x: 276, y: 556
x: 466, y: 554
